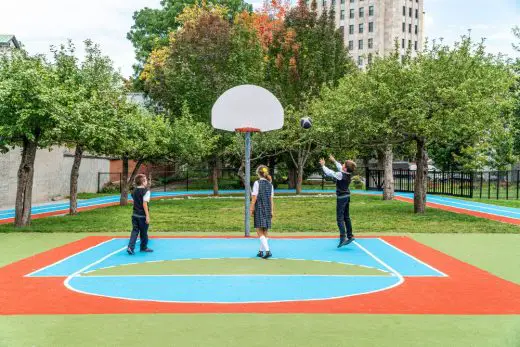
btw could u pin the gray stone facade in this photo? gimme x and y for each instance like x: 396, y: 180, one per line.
x: 51, y: 176
x: 385, y: 23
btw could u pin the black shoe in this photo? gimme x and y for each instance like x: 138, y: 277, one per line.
x: 260, y: 254
x: 341, y: 241
x: 346, y: 241
x: 267, y: 255
x: 130, y: 251
x: 148, y: 250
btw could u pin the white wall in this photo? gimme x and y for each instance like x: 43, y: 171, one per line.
x: 51, y: 176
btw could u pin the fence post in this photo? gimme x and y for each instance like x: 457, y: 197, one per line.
x: 498, y: 184
x: 517, y: 179
x: 120, y: 182
x: 164, y: 181
x: 98, y: 181
x: 471, y: 177
x: 367, y: 178
x: 507, y: 185
x: 187, y: 179
x: 481, y: 182
x: 322, y: 182
x: 489, y: 184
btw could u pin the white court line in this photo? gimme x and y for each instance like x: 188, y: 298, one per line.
x: 70, y: 256
x: 414, y: 258
x: 67, y: 280
x: 401, y: 278
x: 234, y: 275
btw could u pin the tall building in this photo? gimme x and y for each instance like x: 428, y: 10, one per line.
x: 376, y: 27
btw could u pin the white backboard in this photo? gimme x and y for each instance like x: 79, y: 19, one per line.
x: 247, y: 106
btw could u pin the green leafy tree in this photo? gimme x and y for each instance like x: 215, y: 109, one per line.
x: 305, y: 56
x: 451, y: 88
x: 30, y: 111
x: 152, y: 27
x: 92, y: 86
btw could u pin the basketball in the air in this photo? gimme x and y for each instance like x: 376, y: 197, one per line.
x: 306, y: 122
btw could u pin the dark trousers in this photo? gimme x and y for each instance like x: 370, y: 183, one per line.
x: 139, y: 228
x: 343, y: 216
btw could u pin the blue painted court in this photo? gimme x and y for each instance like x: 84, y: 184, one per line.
x: 392, y: 264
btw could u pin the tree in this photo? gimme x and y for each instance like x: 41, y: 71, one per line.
x: 30, y: 111
x: 361, y: 109
x: 152, y: 27
x: 306, y: 55
x: 92, y: 86
x: 451, y: 89
x: 206, y: 57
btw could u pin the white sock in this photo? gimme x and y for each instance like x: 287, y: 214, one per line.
x: 263, y: 240
x: 261, y: 244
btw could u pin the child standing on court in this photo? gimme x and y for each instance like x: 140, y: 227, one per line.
x: 342, y: 179
x: 140, y: 215
x: 263, y: 208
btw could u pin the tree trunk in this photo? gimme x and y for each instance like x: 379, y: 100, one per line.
x: 25, y: 183
x: 123, y: 201
x: 136, y: 171
x: 421, y: 175
x: 299, y: 180
x: 388, y: 188
x: 292, y: 178
x: 74, y: 174
x: 241, y: 173
x: 215, y: 174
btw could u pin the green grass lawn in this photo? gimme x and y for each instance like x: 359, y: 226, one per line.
x: 292, y: 214
x: 492, y: 246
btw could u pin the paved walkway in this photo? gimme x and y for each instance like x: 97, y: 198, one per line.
x: 499, y: 213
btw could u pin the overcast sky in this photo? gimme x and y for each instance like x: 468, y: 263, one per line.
x: 41, y: 23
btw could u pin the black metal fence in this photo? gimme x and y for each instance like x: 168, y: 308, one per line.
x: 477, y: 184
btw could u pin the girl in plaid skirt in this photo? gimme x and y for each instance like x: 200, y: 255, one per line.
x: 263, y: 208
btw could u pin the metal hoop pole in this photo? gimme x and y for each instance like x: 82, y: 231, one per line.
x: 248, y: 184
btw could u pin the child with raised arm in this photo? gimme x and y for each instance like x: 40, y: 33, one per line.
x: 263, y: 208
x: 342, y: 178
x: 140, y: 215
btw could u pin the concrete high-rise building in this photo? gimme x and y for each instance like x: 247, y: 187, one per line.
x: 376, y: 27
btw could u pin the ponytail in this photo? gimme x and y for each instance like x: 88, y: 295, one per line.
x: 269, y: 178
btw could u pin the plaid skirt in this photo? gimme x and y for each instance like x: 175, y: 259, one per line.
x: 263, y: 208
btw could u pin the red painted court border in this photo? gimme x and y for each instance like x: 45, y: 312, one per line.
x: 467, y: 290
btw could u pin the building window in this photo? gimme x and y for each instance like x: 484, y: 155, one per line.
x: 404, y: 11
x: 351, y: 29
x: 371, y: 10
x: 402, y: 43
x: 350, y: 45
x: 369, y: 58
x: 342, y: 14
x: 360, y: 44
x: 404, y: 27
x: 409, y: 44
x: 324, y: 3
x: 361, y: 12
x: 352, y: 12
x: 371, y: 27
x: 416, y: 45
x: 361, y: 26
x: 370, y: 43
x: 410, y: 28
x: 342, y: 1
x: 416, y: 29
x: 360, y: 61
x: 342, y: 31
x: 351, y: 1
x: 410, y: 12
x: 416, y: 13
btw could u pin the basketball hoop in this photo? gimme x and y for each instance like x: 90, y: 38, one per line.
x: 247, y: 109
